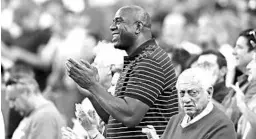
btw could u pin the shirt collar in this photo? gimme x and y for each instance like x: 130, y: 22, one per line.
x: 186, y: 120
x: 140, y: 49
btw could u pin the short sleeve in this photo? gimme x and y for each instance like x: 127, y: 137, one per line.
x: 146, y: 81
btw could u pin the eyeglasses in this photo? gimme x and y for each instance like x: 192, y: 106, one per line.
x: 118, y: 21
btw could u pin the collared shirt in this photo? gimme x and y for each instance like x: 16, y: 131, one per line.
x: 186, y: 120
x: 148, y: 76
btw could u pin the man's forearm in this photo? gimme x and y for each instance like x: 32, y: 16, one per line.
x: 101, y: 112
x: 118, y: 108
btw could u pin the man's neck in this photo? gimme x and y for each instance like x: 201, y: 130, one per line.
x: 138, y: 43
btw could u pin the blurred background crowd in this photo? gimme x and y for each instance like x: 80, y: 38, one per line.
x: 38, y: 36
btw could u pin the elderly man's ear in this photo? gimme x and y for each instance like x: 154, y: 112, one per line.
x: 210, y: 91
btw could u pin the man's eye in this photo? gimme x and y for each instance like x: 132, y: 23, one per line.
x: 182, y: 93
x: 117, y: 21
x: 193, y: 93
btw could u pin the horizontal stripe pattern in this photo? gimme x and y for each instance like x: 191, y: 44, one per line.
x: 150, y: 78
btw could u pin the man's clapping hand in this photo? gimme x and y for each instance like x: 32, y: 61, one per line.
x: 82, y: 73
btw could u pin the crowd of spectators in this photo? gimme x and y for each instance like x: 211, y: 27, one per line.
x: 38, y: 36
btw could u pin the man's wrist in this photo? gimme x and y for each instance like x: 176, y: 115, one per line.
x: 93, y: 86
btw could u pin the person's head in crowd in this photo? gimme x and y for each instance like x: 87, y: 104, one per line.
x: 21, y: 92
x: 244, y: 48
x: 215, y: 62
x: 131, y: 27
x: 27, y: 16
x: 192, y: 61
x: 207, y: 35
x: 194, y: 91
x: 54, y: 8
x: 179, y: 57
x: 173, y: 28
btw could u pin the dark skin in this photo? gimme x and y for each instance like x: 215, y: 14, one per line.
x: 127, y: 110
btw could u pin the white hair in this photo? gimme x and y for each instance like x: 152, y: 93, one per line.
x: 195, y: 75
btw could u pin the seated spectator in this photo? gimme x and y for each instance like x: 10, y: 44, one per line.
x: 199, y: 118
x: 13, y: 117
x: 42, y: 119
x: 247, y: 122
x: 108, y: 62
x: 243, y: 53
x: 217, y: 64
x: 90, y: 122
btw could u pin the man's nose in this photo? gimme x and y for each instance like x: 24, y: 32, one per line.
x: 234, y: 52
x: 112, y: 27
x: 186, y: 98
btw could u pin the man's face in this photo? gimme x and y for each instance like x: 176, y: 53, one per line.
x: 209, y: 61
x: 17, y: 99
x: 193, y: 97
x: 252, y: 68
x: 123, y: 29
x: 241, y: 52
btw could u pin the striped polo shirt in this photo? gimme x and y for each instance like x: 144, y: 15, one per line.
x: 148, y: 75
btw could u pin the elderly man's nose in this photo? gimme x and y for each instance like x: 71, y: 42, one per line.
x: 186, y: 98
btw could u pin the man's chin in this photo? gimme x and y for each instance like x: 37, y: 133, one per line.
x: 118, y: 45
x: 190, y: 112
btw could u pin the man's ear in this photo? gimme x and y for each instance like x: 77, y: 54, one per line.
x: 223, y: 71
x: 138, y: 27
x: 210, y: 91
